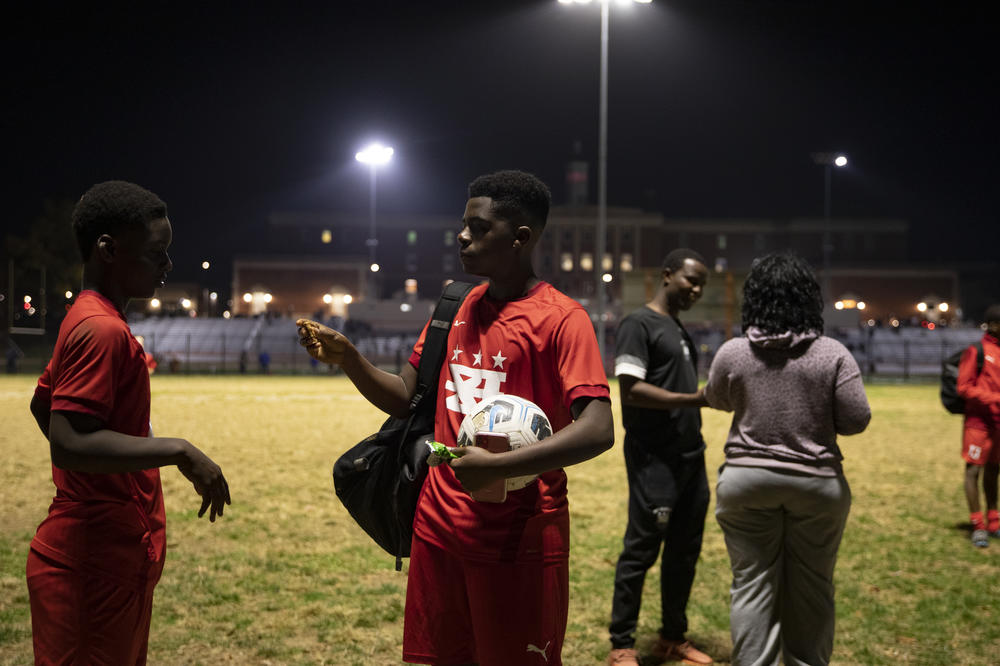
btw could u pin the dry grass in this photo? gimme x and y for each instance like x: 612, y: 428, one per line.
x: 286, y: 578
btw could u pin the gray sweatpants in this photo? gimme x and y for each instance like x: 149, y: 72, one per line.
x: 782, y: 532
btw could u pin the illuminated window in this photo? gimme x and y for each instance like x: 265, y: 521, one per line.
x: 608, y: 263
x: 566, y: 261
x: 326, y: 236
x: 410, y: 286
x: 586, y: 262
x: 626, y: 263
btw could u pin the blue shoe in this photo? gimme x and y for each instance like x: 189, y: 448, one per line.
x: 980, y: 538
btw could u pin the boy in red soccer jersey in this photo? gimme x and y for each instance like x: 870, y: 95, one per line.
x: 97, y: 556
x: 981, y: 431
x: 488, y: 582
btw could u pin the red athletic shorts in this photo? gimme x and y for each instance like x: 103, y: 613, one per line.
x: 77, y: 618
x: 980, y: 447
x: 493, y: 614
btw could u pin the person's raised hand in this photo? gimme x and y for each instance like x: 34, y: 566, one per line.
x: 208, y: 481
x: 323, y: 343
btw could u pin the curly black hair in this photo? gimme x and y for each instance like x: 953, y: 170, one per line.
x: 109, y: 208
x: 675, y: 260
x: 782, y: 294
x: 517, y: 196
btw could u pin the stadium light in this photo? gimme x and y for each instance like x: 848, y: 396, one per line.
x: 268, y: 298
x: 348, y: 299
x: 374, y: 268
x: 943, y: 307
x: 214, y: 296
x: 374, y: 155
x: 69, y: 294
x: 602, y: 170
x: 327, y: 298
x: 607, y: 277
x: 828, y: 161
x: 922, y: 307
x: 205, y: 265
x: 186, y: 303
x: 247, y: 297
x: 27, y: 298
x: 154, y: 303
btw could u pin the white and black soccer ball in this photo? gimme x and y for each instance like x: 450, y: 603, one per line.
x: 522, y: 420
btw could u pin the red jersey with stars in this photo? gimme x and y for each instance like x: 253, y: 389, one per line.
x: 540, y: 347
x: 111, y: 525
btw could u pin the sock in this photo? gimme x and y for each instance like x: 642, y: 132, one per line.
x: 993, y: 520
x: 977, y: 520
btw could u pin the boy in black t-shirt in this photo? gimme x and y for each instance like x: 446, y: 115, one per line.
x: 656, y: 365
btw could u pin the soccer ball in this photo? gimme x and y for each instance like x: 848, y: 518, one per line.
x: 522, y: 420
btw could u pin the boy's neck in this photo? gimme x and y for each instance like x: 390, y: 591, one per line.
x: 117, y: 299
x: 512, y: 289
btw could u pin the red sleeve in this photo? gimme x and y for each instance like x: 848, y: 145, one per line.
x: 578, y: 359
x: 418, y: 347
x: 43, y: 391
x: 87, y: 372
x: 966, y: 384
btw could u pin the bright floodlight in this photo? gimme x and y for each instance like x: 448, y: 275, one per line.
x: 69, y: 294
x: 374, y: 154
x: 214, y: 296
x: 922, y: 307
x: 155, y: 303
x: 247, y: 297
x: 943, y: 307
x: 327, y: 298
x: 268, y: 298
x: 348, y: 298
x: 840, y: 160
x: 861, y: 305
x: 607, y: 277
x: 205, y: 265
x: 186, y: 303
x: 374, y: 268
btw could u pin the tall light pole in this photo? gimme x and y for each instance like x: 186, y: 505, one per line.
x: 602, y: 170
x: 374, y: 155
x: 828, y: 161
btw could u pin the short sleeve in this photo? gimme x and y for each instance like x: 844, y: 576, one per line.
x: 418, y: 347
x: 717, y: 388
x: 631, y: 349
x: 578, y: 359
x: 86, y: 378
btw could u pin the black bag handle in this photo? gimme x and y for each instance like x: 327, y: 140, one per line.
x: 429, y: 370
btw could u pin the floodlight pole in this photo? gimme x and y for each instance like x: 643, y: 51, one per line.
x: 372, y: 240
x: 602, y: 185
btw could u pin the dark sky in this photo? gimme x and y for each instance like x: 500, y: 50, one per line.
x: 229, y: 112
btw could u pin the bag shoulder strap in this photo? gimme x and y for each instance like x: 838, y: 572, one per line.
x: 980, y: 356
x: 436, y: 340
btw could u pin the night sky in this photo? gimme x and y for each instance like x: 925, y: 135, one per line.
x: 229, y: 112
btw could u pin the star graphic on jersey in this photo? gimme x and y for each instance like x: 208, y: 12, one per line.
x: 498, y: 360
x: 454, y: 354
x: 478, y: 358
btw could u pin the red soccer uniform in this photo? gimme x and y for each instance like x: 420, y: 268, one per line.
x: 540, y: 347
x: 104, y: 532
x: 981, y: 433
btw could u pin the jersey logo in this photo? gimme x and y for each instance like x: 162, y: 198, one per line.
x: 541, y: 651
x: 468, y: 386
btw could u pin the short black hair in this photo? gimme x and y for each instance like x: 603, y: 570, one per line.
x: 517, y: 196
x: 781, y: 294
x: 992, y: 314
x: 109, y: 208
x: 675, y: 260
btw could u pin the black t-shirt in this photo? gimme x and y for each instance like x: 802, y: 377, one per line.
x: 656, y: 349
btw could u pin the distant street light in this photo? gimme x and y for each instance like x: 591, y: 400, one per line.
x: 374, y: 155
x: 602, y: 168
x: 828, y: 161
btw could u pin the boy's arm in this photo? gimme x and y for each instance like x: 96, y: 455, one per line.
x: 591, y: 433
x: 40, y: 410
x: 82, y: 443
x: 638, y: 393
x: 389, y: 392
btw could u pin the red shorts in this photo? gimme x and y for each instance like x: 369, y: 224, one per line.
x: 493, y: 614
x: 77, y: 618
x: 980, y: 447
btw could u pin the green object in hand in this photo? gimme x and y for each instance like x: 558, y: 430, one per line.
x: 442, y: 451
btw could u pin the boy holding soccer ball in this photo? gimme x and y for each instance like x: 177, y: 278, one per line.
x: 488, y: 582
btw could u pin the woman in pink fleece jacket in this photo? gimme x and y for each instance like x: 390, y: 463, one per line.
x: 782, y: 499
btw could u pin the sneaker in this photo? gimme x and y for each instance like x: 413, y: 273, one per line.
x: 682, y: 651
x: 623, y: 657
x: 980, y: 538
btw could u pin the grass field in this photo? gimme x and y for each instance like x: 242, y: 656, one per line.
x: 286, y: 577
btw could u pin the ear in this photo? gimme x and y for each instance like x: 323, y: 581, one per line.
x: 106, y: 247
x: 665, y: 276
x: 523, y: 236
